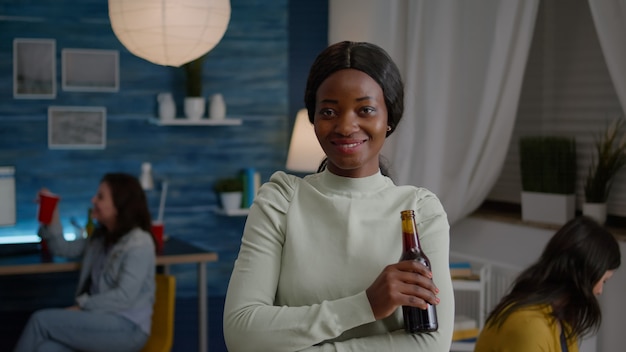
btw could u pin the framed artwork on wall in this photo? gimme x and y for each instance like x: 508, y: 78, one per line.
x: 34, y: 68
x: 76, y: 127
x: 90, y: 70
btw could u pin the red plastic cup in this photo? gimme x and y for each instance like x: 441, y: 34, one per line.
x: 47, y: 203
x: 157, y: 232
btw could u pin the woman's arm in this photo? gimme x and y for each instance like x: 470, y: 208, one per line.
x: 251, y: 320
x: 53, y: 234
x: 399, y: 340
x: 434, y: 237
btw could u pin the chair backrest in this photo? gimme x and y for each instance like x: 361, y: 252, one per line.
x: 162, y: 331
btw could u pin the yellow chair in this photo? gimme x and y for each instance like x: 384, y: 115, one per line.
x: 162, y: 331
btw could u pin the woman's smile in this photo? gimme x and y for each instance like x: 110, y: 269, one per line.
x: 348, y: 146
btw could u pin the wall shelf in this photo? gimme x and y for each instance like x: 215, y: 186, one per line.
x: 201, y: 122
x: 477, y: 301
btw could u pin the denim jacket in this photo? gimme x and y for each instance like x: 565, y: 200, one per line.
x: 126, y: 285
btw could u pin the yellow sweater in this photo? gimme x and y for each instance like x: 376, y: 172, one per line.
x: 528, y: 329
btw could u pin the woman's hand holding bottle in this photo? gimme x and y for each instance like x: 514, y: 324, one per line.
x: 406, y: 283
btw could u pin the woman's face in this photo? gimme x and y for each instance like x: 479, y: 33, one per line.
x: 599, y: 286
x: 103, y: 209
x: 351, y: 122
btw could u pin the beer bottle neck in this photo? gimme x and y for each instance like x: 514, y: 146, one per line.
x: 410, y: 239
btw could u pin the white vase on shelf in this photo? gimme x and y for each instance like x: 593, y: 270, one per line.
x: 167, y: 108
x: 217, y: 108
x: 194, y: 108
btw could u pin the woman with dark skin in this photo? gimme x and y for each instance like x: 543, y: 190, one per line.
x: 554, y: 302
x: 116, y: 284
x: 318, y: 266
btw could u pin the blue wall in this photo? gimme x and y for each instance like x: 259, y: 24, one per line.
x: 253, y: 67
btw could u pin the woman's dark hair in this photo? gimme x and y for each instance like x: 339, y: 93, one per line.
x: 130, y: 202
x: 572, y: 263
x: 365, y: 57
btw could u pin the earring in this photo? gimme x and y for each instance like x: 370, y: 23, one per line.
x: 388, y: 128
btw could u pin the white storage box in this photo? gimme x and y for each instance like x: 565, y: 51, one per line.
x: 7, y: 195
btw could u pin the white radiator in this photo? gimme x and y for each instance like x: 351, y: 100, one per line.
x: 500, y: 282
x: 475, y: 299
x: 495, y: 282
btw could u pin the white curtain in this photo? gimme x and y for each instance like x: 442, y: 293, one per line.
x: 463, y: 63
x: 609, y: 17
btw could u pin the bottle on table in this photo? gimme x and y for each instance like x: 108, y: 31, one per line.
x: 90, y: 226
x: 416, y: 320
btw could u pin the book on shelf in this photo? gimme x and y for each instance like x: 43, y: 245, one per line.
x: 464, y: 328
x: 463, y: 322
x: 251, y: 183
x: 461, y: 270
x: 257, y: 182
x: 467, y: 335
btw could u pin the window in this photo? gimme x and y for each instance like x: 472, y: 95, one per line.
x: 567, y: 91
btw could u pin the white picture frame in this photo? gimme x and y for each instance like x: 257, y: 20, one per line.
x: 90, y: 70
x: 34, y: 68
x: 76, y: 127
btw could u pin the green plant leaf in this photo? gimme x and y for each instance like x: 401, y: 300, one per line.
x: 548, y: 164
x: 610, y: 148
x: 230, y: 184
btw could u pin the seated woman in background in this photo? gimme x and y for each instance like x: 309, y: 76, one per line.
x: 116, y: 284
x: 553, y: 303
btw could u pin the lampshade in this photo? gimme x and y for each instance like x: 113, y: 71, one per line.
x: 169, y: 32
x: 305, y: 153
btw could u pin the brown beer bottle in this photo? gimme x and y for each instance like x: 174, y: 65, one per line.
x: 416, y: 320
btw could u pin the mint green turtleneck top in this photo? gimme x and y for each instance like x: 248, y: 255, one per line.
x: 311, y: 247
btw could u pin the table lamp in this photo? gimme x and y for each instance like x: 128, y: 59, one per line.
x: 305, y: 153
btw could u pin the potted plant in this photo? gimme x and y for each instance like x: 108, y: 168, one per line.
x: 194, y: 101
x: 610, y: 157
x: 548, y: 170
x: 230, y: 192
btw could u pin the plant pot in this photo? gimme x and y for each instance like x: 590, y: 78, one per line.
x: 596, y: 211
x: 231, y: 200
x: 548, y: 208
x: 194, y: 108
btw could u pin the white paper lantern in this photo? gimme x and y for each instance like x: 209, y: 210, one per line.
x: 169, y: 32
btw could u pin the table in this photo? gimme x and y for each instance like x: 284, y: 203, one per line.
x: 175, y: 251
